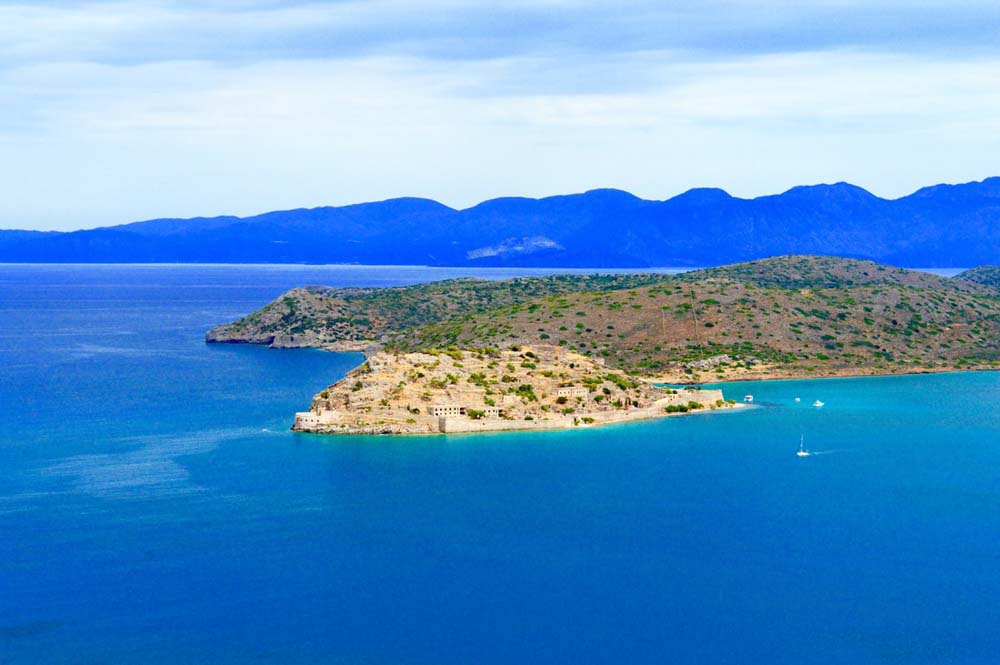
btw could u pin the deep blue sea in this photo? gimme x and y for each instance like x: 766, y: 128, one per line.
x: 154, y: 507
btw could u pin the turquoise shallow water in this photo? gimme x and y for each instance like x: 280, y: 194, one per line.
x: 155, y: 509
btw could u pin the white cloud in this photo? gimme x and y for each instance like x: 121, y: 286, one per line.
x: 117, y: 31
x: 92, y: 134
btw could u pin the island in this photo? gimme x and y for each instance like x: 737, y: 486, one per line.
x: 489, y: 389
x: 574, y: 350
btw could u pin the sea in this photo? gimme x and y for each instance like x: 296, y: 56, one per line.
x: 155, y: 508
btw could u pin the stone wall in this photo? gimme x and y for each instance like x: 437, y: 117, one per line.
x: 461, y: 424
x: 704, y: 397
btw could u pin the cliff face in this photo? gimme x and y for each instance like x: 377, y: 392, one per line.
x: 535, y: 387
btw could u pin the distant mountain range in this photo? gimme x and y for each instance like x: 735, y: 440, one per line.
x: 939, y: 226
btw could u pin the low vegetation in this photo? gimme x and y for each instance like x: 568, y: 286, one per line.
x: 985, y: 275
x: 786, y: 316
x: 319, y: 315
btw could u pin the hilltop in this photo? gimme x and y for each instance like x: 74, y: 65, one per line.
x: 939, y: 226
x: 812, y: 272
x: 985, y: 275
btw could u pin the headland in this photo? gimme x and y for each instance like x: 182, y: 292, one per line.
x: 437, y: 352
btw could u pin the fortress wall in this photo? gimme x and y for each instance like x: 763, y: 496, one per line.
x: 705, y: 397
x: 327, y: 420
x: 462, y: 424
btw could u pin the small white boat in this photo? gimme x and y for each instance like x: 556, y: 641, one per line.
x: 798, y: 399
x: 748, y: 398
x: 818, y: 404
x: 802, y: 448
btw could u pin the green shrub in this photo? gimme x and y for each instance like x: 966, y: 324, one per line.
x: 526, y: 391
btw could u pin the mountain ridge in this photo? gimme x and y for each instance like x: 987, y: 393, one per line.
x: 936, y: 226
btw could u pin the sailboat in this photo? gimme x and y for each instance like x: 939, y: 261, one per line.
x: 802, y: 447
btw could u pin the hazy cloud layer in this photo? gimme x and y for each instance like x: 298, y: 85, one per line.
x: 111, y: 112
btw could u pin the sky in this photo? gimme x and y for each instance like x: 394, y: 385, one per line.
x: 112, y: 112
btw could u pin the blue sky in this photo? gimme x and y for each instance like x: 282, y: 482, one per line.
x: 112, y: 111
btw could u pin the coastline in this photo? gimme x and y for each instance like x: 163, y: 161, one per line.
x: 540, y: 426
x: 583, y: 420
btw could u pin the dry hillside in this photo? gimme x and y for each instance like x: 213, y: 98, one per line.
x: 786, y: 316
x: 321, y: 316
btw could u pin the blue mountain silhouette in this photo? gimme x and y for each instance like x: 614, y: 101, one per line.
x: 943, y: 226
